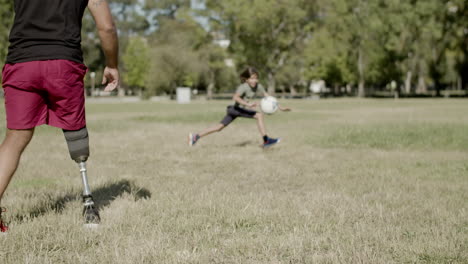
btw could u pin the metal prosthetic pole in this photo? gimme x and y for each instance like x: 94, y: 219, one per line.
x: 90, y: 212
x: 84, y: 177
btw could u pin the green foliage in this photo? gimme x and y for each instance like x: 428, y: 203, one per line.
x: 166, y: 8
x: 128, y: 18
x: 175, y: 60
x: 226, y: 79
x: 183, y: 54
x: 421, y: 43
x: 91, y: 46
x: 223, y: 78
x: 6, y: 19
x: 379, y: 41
x: 136, y: 63
x: 328, y: 58
x: 266, y: 33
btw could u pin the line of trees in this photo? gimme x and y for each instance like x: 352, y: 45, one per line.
x: 420, y: 45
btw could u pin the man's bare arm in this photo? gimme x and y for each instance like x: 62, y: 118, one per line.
x: 108, y: 35
x: 106, y: 29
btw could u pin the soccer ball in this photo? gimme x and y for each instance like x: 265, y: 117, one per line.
x: 269, y: 105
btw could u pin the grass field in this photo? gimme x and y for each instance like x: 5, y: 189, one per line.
x: 353, y: 181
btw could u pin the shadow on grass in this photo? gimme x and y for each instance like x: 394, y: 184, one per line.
x: 103, y: 196
x: 244, y: 143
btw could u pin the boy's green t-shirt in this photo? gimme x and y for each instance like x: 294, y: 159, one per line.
x: 247, y: 93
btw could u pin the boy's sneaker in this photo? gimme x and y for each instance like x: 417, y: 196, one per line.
x: 193, y: 138
x: 270, y: 142
x: 3, y: 226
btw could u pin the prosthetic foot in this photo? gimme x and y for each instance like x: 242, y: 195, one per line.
x: 78, y: 145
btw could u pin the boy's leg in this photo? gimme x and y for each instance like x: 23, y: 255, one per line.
x: 230, y: 116
x: 194, y: 137
x: 267, y: 141
x: 215, y: 128
x: 10, y: 152
x: 260, y: 123
x: 247, y: 113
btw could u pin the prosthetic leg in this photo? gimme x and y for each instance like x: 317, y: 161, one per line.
x: 78, y: 146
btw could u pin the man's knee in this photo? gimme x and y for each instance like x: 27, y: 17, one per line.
x: 220, y: 127
x: 78, y: 144
x: 19, y: 137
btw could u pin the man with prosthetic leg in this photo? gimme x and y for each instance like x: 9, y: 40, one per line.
x: 43, y: 81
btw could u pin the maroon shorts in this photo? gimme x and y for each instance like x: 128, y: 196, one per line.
x: 44, y: 92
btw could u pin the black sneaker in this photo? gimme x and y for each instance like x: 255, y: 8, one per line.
x: 270, y: 142
x: 193, y: 138
x: 90, y: 212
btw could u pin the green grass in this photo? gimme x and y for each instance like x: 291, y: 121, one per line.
x: 353, y: 181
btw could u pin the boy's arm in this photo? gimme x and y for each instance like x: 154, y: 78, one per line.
x: 108, y: 35
x: 285, y: 109
x: 241, y: 101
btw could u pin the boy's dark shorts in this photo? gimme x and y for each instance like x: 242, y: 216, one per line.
x: 232, y: 112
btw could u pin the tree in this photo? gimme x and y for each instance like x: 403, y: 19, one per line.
x: 135, y: 63
x: 457, y: 15
x: 218, y: 75
x: 157, y: 9
x: 175, y: 60
x: 129, y: 22
x: 264, y: 33
x: 329, y: 57
x: 6, y: 17
x: 355, y: 25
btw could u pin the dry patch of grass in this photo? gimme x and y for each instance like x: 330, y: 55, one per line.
x: 353, y: 181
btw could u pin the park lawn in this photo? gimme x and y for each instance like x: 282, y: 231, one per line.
x: 352, y: 181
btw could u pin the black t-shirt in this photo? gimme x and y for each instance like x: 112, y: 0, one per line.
x: 46, y: 30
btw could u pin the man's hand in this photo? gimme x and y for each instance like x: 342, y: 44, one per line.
x: 111, y: 77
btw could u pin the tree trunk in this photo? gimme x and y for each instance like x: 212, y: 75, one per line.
x: 459, y: 83
x: 209, y: 91
x: 421, y: 86
x: 463, y: 73
x: 436, y: 76
x: 283, y: 91
x: 307, y: 89
x: 271, y: 83
x: 121, y: 91
x: 292, y: 91
x: 408, y: 82
x: 211, y: 85
x: 361, y: 87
